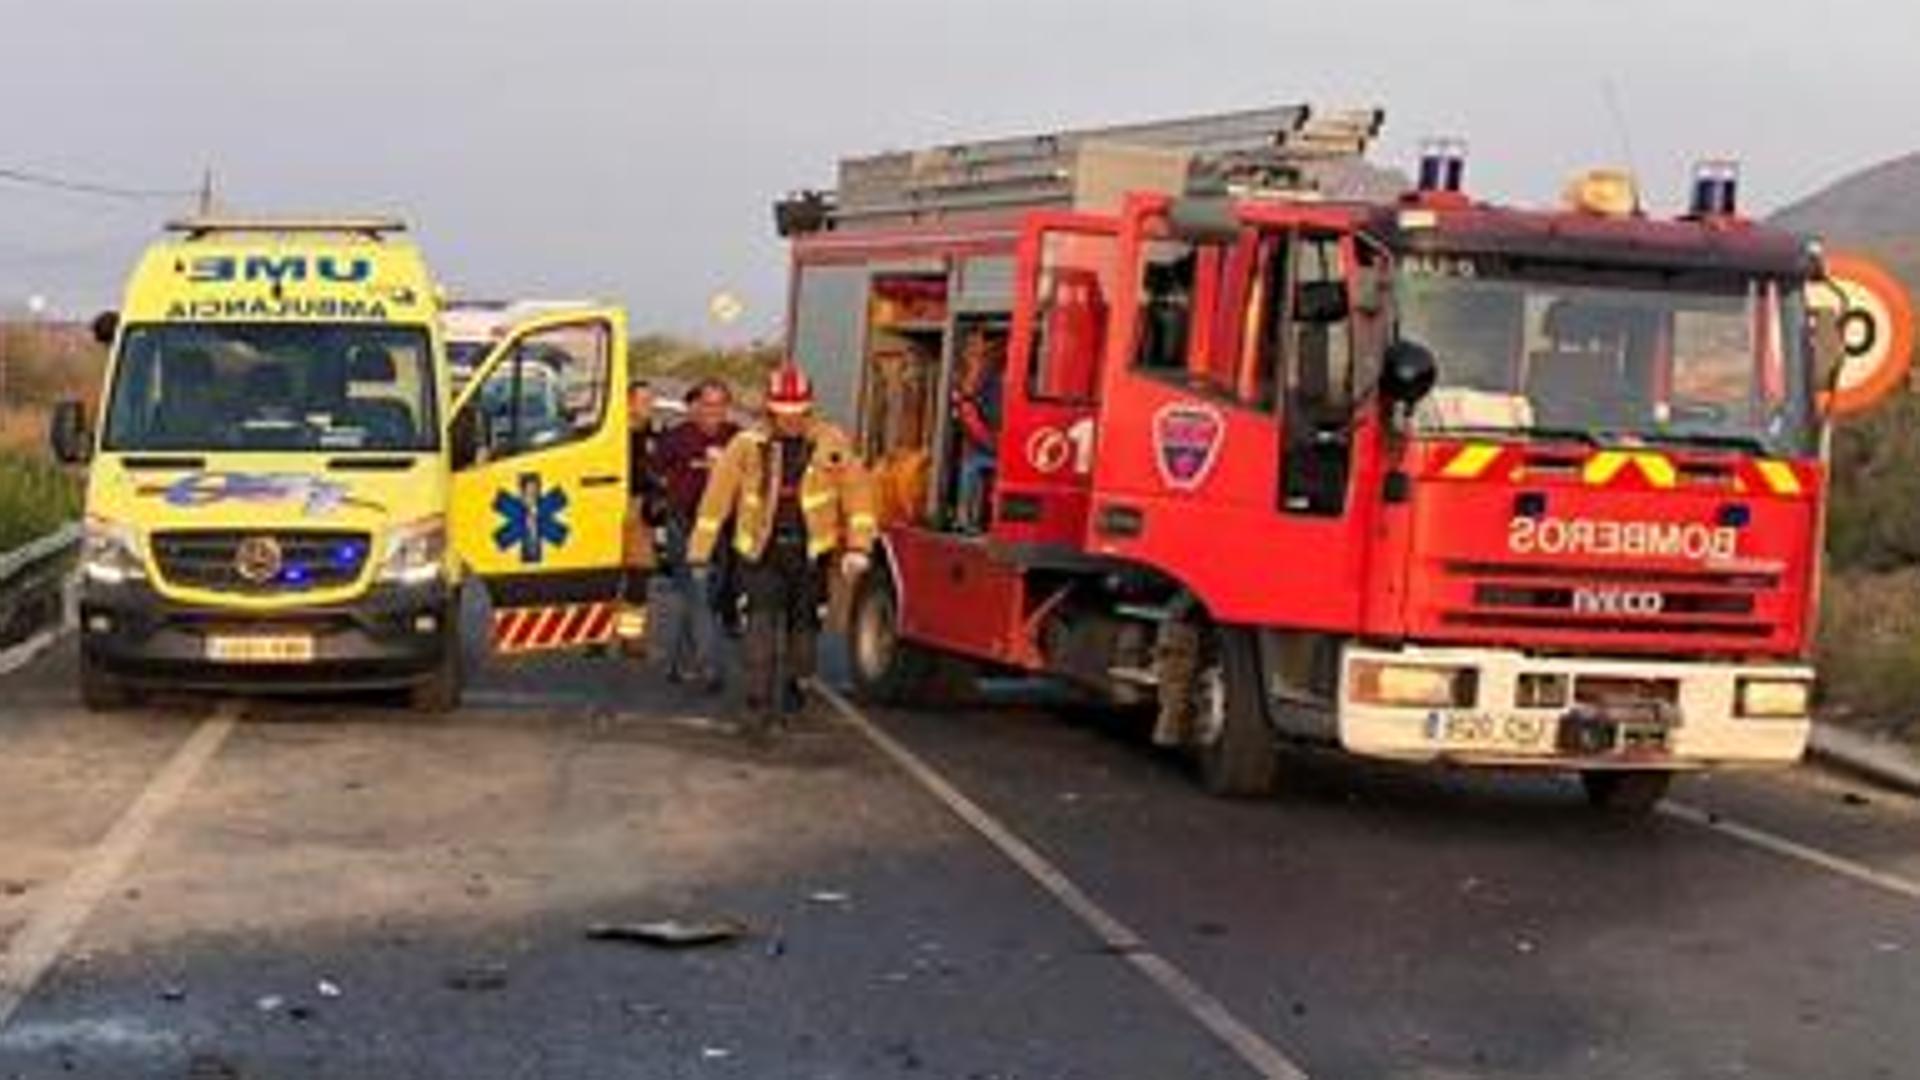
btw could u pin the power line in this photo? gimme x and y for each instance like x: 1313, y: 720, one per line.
x: 31, y: 178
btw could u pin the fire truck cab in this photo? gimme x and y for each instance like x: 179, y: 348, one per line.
x: 1212, y: 416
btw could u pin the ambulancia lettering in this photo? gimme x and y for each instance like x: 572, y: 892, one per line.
x: 1690, y: 541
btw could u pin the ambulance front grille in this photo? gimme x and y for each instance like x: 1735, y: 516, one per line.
x: 307, y: 560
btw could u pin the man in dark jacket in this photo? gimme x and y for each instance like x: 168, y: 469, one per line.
x: 683, y: 459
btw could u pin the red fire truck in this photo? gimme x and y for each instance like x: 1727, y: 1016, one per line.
x: 1290, y: 449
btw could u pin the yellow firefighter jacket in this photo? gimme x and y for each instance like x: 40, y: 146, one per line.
x: 836, y: 495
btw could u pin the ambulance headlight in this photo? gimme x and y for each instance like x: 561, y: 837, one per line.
x: 1426, y: 686
x: 1772, y: 699
x: 416, y: 553
x: 110, y: 552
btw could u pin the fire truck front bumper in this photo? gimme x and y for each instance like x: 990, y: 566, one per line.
x: 1498, y: 708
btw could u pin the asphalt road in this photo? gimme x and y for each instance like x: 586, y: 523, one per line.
x: 331, y: 888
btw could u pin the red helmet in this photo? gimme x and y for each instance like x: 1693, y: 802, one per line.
x: 789, y: 390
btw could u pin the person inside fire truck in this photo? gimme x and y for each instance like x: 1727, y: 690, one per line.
x: 976, y: 409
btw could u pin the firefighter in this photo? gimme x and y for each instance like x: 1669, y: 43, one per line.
x: 644, y: 507
x: 976, y: 406
x: 683, y: 458
x: 801, y: 503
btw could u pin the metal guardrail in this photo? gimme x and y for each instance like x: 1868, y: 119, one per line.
x: 33, y: 583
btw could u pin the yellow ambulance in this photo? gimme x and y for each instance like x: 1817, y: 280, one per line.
x: 284, y: 495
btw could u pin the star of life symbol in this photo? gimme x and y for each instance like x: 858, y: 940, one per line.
x: 531, y: 520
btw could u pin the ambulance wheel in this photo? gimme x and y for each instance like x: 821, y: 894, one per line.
x: 886, y: 668
x: 1626, y: 792
x: 439, y: 692
x: 1233, y: 741
x: 101, y: 691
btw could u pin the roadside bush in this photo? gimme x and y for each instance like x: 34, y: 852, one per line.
x: 36, y: 497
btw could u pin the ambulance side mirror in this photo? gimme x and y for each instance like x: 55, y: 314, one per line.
x: 1408, y: 373
x: 70, y: 434
x: 105, y: 325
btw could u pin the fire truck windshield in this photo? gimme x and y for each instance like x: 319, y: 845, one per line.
x: 1534, y: 350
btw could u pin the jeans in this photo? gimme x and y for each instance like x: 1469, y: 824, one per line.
x: 975, y: 489
x: 690, y: 633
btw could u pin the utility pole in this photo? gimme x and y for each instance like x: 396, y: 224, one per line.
x: 206, y: 192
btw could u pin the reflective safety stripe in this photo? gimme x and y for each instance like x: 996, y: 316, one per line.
x: 816, y: 500
x: 817, y: 548
x: 1471, y: 461
x: 1779, y: 476
x: 742, y: 543
x: 551, y: 626
x: 863, y: 521
x: 706, y: 525
x: 1606, y: 466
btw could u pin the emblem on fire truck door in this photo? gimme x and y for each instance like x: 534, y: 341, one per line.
x: 1187, y: 438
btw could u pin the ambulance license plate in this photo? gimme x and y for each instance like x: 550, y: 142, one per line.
x: 261, y: 649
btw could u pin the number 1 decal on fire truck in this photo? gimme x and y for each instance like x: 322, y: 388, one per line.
x: 1059, y: 335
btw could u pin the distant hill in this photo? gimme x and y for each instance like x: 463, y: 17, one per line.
x: 1875, y: 211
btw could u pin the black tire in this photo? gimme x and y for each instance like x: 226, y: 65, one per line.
x: 886, y: 668
x: 1234, y: 748
x: 1626, y: 792
x: 439, y: 692
x: 101, y: 691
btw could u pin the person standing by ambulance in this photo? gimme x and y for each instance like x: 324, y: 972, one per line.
x: 644, y: 507
x: 801, y: 502
x: 683, y: 459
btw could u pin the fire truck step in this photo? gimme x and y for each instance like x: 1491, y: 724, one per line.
x: 1143, y: 612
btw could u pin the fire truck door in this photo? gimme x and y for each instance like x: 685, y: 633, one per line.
x: 1062, y: 298
x: 539, y: 502
x: 1316, y: 453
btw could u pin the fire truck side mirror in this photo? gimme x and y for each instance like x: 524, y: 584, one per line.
x: 1203, y: 220
x: 1829, y: 348
x: 1408, y: 373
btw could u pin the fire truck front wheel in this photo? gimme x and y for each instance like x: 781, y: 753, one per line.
x: 1232, y: 739
x: 886, y: 668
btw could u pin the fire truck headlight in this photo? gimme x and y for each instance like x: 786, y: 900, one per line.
x: 1772, y: 699
x: 1426, y: 686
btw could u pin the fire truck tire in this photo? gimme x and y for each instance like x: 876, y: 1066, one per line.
x: 1626, y: 792
x: 886, y: 668
x: 101, y: 691
x: 1234, y: 748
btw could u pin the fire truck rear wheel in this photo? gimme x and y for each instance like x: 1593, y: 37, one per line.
x: 1233, y: 740
x: 886, y: 668
x: 1626, y: 792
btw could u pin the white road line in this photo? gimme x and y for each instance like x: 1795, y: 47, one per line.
x: 52, y: 927
x: 1792, y: 849
x: 1203, y: 1007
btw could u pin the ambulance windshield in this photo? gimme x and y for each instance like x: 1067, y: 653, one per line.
x: 1535, y: 350
x: 330, y: 387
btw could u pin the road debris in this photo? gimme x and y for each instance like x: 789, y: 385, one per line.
x: 270, y: 1003
x: 173, y: 992
x: 477, y: 977
x: 211, y: 1067
x: 327, y: 988
x: 672, y: 933
x: 830, y: 896
x: 715, y: 1053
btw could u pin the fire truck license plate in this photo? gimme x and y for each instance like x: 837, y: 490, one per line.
x: 1486, y: 732
x: 261, y: 649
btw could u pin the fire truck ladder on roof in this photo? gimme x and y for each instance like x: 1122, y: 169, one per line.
x: 1272, y: 149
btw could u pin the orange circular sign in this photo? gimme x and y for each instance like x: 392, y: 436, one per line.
x: 1876, y: 332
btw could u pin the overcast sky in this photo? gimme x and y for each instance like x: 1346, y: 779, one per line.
x: 630, y: 148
